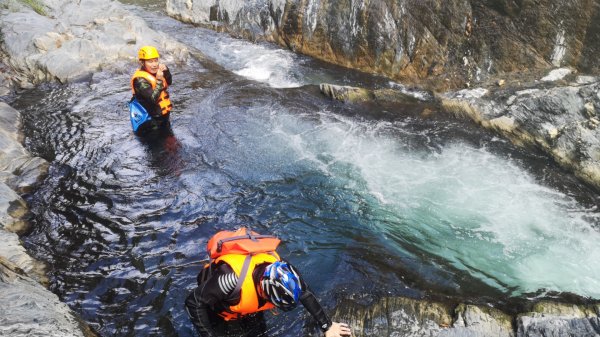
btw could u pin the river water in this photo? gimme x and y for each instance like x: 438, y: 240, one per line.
x: 369, y: 200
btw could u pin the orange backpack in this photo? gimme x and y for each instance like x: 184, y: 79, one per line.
x: 242, y: 241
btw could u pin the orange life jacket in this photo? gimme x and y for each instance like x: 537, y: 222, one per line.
x: 163, y: 100
x: 243, y: 250
x: 248, y: 303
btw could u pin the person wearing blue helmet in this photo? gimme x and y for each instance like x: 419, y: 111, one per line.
x: 224, y: 305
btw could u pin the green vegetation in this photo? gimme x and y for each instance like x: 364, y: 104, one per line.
x: 36, y: 5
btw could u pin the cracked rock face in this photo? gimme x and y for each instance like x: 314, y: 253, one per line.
x: 444, y: 44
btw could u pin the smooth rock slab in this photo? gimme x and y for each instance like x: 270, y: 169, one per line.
x: 75, y: 39
x: 29, y: 310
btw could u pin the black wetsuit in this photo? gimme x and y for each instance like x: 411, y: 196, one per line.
x: 212, y: 296
x: 148, y: 97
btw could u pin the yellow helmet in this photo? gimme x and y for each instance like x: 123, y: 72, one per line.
x: 147, y: 53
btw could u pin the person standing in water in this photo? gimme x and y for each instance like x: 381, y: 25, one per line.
x: 149, y: 86
x: 244, y: 278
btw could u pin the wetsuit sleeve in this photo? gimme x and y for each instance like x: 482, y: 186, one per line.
x: 312, y: 305
x: 208, y: 299
x: 144, y: 90
x: 198, y: 311
x: 168, y: 77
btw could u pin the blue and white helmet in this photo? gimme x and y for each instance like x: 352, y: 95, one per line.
x: 281, y: 285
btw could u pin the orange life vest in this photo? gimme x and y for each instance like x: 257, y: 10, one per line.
x: 163, y: 100
x: 249, y: 303
x: 243, y: 250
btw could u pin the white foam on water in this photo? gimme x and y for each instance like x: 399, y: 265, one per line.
x: 481, y: 213
x: 272, y: 67
x: 258, y: 62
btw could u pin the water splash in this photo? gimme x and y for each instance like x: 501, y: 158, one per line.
x: 480, y: 213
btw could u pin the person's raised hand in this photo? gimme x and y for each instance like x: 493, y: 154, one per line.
x: 338, y: 330
x: 162, y: 67
x: 160, y: 75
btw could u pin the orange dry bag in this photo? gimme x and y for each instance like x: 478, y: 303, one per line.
x: 242, y: 241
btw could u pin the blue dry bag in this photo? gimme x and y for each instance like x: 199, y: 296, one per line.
x: 137, y: 114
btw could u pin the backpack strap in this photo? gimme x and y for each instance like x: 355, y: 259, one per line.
x: 243, y: 273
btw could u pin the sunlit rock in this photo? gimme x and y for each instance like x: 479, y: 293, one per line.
x: 71, y: 40
x: 12, y: 251
x: 345, y: 93
x: 471, y: 320
x: 556, y: 74
x: 18, y: 169
x: 12, y: 209
x: 354, y: 94
x: 398, y: 316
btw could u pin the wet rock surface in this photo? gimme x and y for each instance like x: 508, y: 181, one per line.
x: 438, y: 43
x: 560, y: 119
x: 398, y: 316
x: 558, y: 319
x: 26, y: 307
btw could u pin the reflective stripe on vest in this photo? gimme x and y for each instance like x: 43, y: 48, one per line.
x: 163, y: 100
x: 248, y: 298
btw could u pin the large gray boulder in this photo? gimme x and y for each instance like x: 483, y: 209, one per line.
x: 70, y: 40
x: 440, y: 43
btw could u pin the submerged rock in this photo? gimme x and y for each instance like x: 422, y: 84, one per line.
x: 350, y: 94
